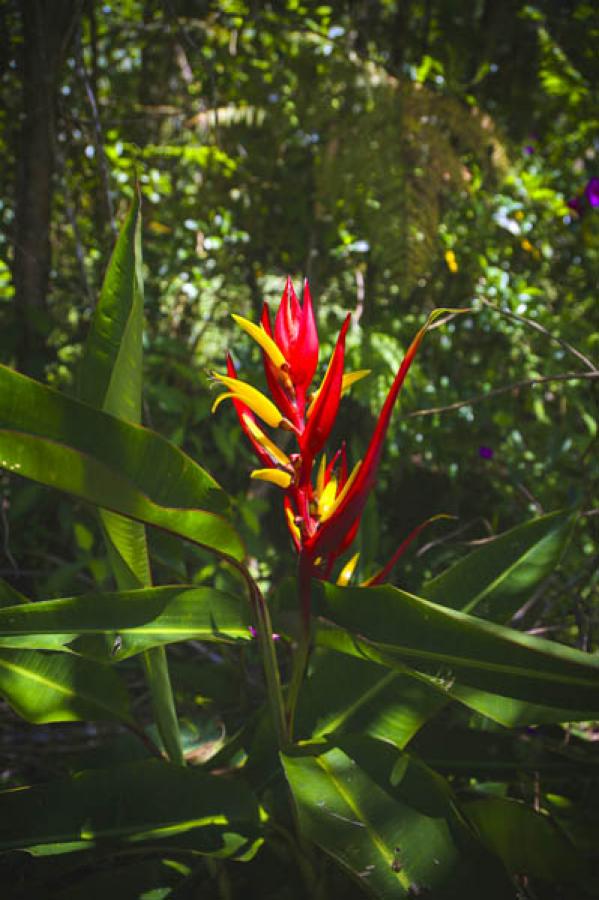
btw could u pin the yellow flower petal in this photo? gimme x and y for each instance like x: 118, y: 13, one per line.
x: 275, y: 452
x: 274, y: 476
x: 293, y: 527
x: 257, y: 402
x: 258, y: 333
x: 321, y: 473
x: 351, y: 377
x: 342, y: 494
x: 327, y: 498
x: 348, y: 570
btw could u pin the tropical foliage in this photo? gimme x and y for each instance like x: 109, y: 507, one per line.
x: 312, y: 676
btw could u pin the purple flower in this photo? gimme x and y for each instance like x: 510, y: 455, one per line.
x: 591, y: 192
x: 529, y: 150
x: 486, y: 452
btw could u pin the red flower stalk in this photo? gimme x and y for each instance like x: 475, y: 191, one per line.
x: 323, y: 514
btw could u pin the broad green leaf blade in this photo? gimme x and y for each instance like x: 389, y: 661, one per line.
x: 396, y: 841
x: 131, y: 470
x: 111, y: 369
x: 398, y: 629
x: 142, y: 619
x: 510, y: 712
x: 59, y: 687
x: 111, y: 378
x: 527, y: 842
x: 345, y: 695
x: 132, y: 805
x: 495, y: 580
x: 127, y: 548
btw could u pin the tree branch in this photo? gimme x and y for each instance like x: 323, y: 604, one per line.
x: 506, y: 389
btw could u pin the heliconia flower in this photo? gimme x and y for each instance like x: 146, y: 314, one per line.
x: 322, y: 514
x: 326, y: 406
x: 296, y: 335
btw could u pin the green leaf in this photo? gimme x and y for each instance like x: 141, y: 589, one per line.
x: 345, y: 695
x: 131, y: 470
x: 131, y: 805
x: 495, y: 580
x: 396, y: 840
x: 111, y: 378
x: 143, y: 619
x: 527, y: 842
x: 398, y: 629
x: 110, y: 375
x: 59, y: 687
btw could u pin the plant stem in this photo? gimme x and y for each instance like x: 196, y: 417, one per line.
x: 300, y: 659
x: 269, y: 661
x: 163, y: 704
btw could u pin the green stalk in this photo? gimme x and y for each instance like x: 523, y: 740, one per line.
x: 163, y: 703
x: 301, y: 656
x: 130, y: 577
x: 269, y: 656
x: 271, y: 667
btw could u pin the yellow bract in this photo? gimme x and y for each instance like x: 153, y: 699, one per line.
x: 253, y: 398
x: 271, y: 448
x: 258, y: 333
x: 293, y: 527
x: 326, y: 498
x: 274, y: 476
x: 342, y: 494
x: 321, y: 473
x: 348, y: 570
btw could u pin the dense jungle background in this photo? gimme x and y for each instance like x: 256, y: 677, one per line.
x: 401, y: 155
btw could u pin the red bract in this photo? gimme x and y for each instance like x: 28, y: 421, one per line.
x: 296, y: 335
x: 323, y: 513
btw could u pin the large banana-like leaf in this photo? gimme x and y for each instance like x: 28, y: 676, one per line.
x: 347, y: 695
x: 397, y: 834
x: 527, y: 841
x: 59, y: 687
x: 110, y: 375
x: 143, y: 619
x: 398, y: 629
x: 111, y: 379
x: 65, y: 444
x: 132, y: 805
x: 495, y: 580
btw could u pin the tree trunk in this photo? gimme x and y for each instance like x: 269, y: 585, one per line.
x: 46, y: 27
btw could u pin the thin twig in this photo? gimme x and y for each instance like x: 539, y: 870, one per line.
x: 542, y: 330
x: 506, y: 389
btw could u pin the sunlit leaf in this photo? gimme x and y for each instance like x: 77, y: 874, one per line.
x: 346, y: 695
x: 395, y: 839
x: 142, y: 619
x: 497, y: 578
x: 398, y: 629
x: 60, y: 442
x: 58, y: 687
